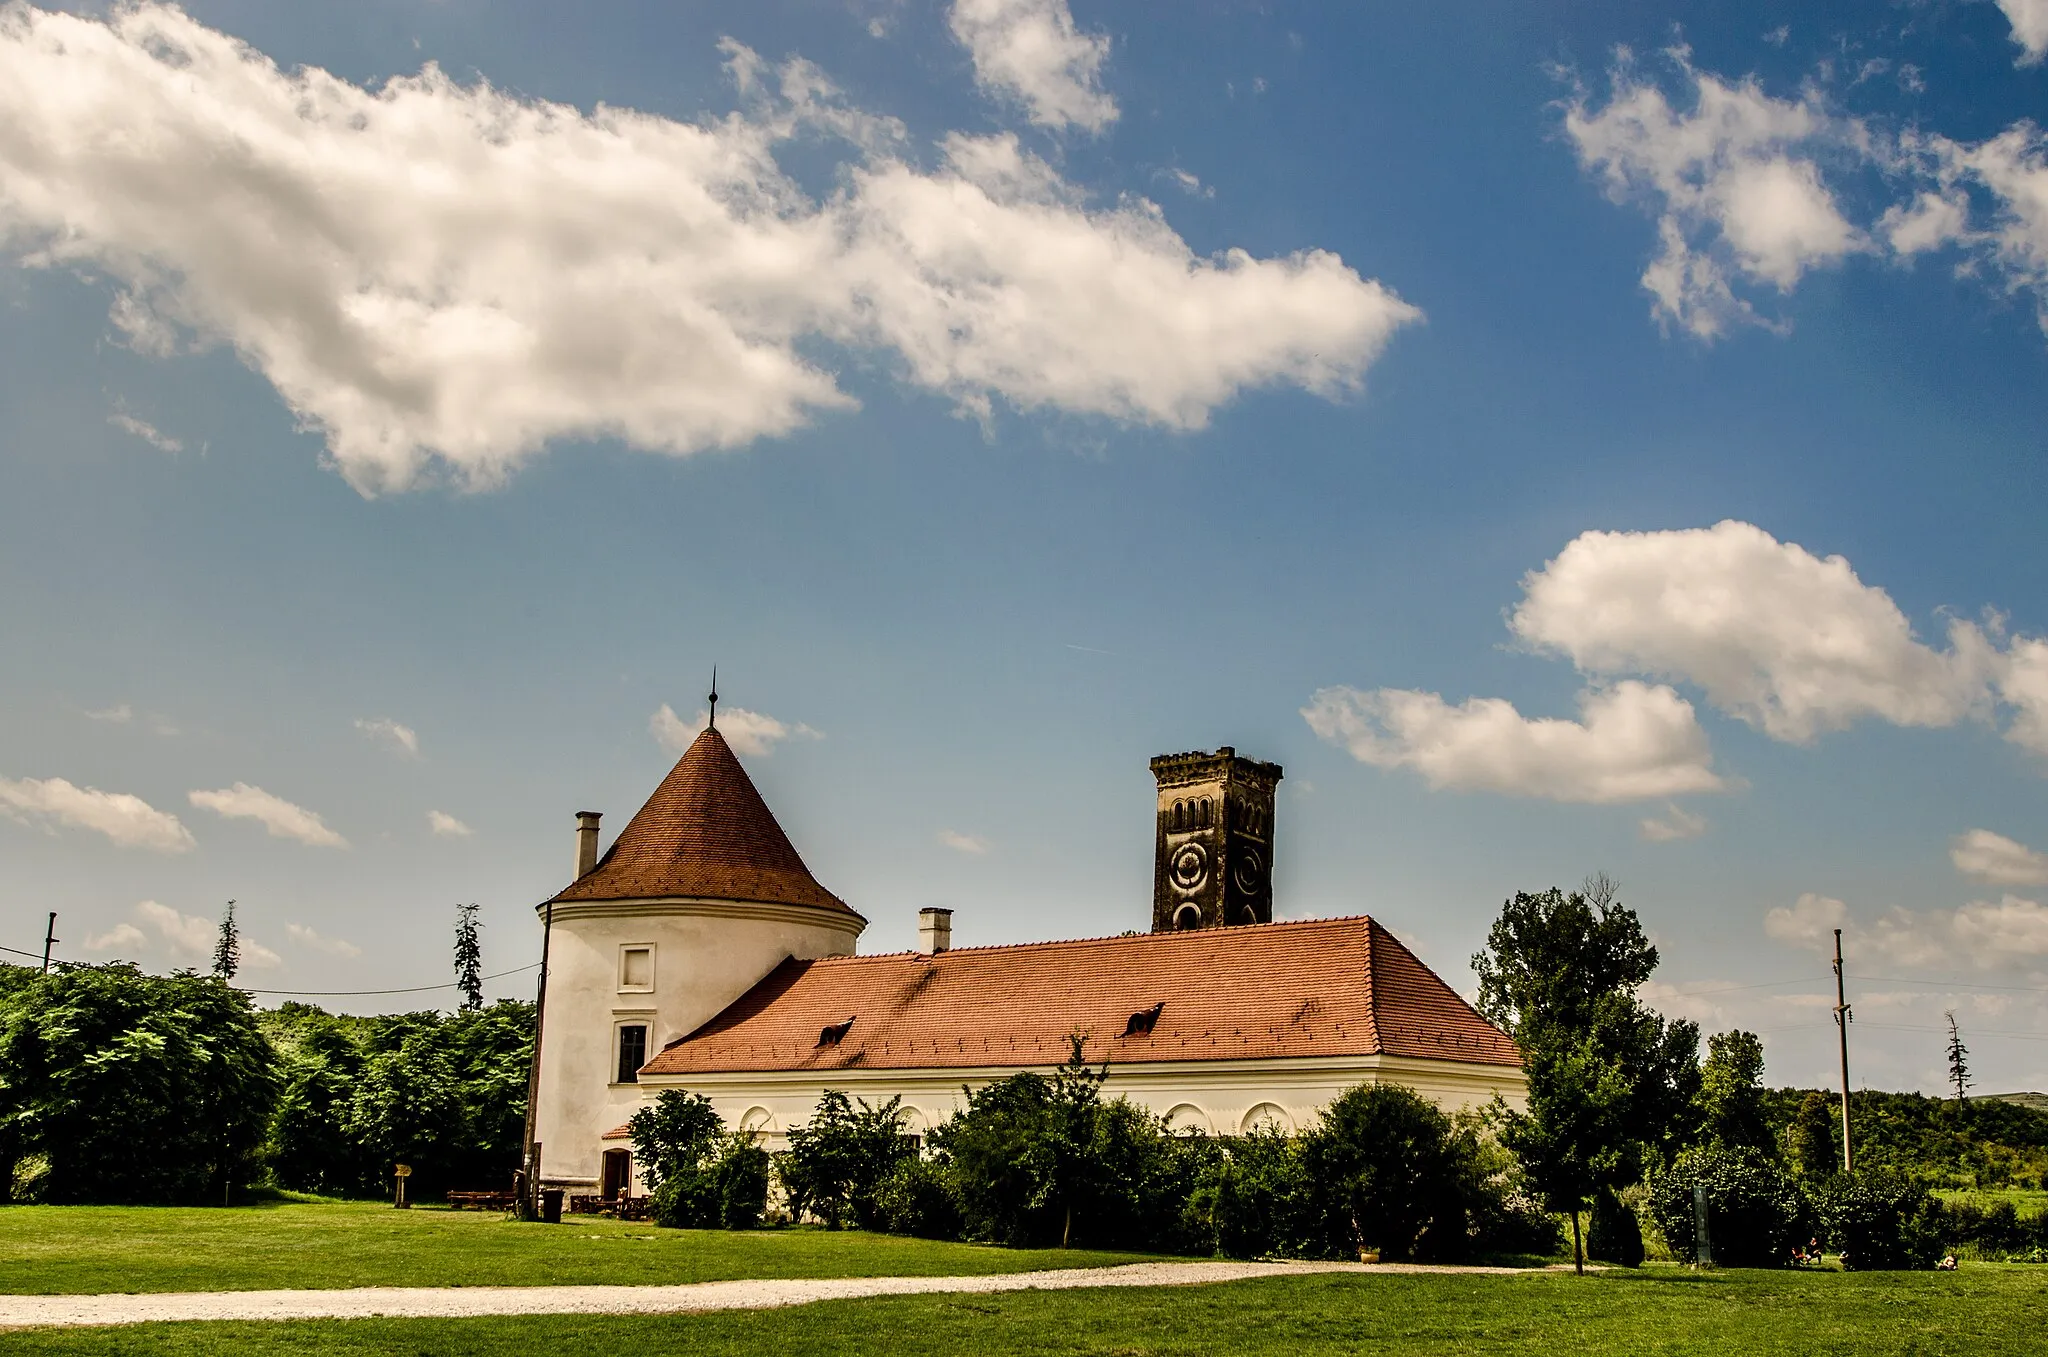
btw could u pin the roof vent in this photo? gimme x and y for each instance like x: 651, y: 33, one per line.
x: 934, y: 931
x: 1144, y: 1020
x: 836, y: 1033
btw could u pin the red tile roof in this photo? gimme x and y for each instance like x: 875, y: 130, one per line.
x: 705, y: 833
x: 1320, y: 988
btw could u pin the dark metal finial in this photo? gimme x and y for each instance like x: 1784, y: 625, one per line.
x: 712, y: 724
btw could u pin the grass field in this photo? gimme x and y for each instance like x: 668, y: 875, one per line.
x: 80, y: 1249
x: 1980, y: 1310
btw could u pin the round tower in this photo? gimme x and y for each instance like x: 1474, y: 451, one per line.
x: 699, y: 897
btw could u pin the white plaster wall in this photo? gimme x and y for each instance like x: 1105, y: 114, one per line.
x: 1223, y: 1094
x: 707, y: 953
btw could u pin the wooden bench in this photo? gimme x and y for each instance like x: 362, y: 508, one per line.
x: 481, y: 1201
x: 623, y: 1208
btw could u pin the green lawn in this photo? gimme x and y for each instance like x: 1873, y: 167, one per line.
x: 51, y: 1249
x: 1977, y: 1311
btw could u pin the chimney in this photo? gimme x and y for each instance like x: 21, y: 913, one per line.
x: 934, y: 931
x: 586, y: 841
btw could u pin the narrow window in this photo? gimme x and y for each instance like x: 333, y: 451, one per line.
x: 636, y: 968
x: 632, y: 1052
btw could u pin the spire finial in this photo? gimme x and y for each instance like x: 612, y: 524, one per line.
x: 712, y: 724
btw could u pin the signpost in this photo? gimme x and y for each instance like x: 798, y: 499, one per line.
x: 401, y: 1172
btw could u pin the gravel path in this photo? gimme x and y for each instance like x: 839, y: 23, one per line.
x: 434, y: 1302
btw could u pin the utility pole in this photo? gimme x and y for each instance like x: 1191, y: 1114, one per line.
x: 49, y: 941
x: 529, y: 1196
x: 1843, y: 1017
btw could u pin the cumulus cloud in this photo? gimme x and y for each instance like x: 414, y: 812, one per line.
x: 308, y: 938
x: 120, y: 714
x: 1990, y: 857
x: 1030, y: 52
x: 128, y: 820
x: 1732, y: 179
x: 1985, y: 935
x: 1791, y: 643
x: 972, y: 844
x: 447, y: 826
x: 119, y: 937
x: 1632, y: 742
x: 279, y: 817
x: 1675, y: 823
x: 147, y: 432
x: 2029, y: 20
x: 402, y: 739
x: 442, y: 278
x: 748, y: 732
x: 183, y: 939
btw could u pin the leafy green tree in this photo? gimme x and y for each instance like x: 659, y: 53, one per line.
x: 469, y: 956
x: 1880, y: 1221
x: 407, y: 1108
x: 673, y: 1135
x: 836, y: 1163
x: 1756, y: 1214
x: 1387, y: 1164
x: 136, y: 1088
x: 700, y: 1175
x: 1810, y: 1138
x: 1611, y: 1084
x: 1731, y: 1096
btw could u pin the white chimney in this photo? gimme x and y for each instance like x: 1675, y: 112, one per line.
x: 934, y: 930
x: 586, y: 841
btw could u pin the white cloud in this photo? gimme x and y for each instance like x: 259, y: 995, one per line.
x: 400, y: 738
x: 279, y: 817
x: 1029, y: 51
x: 1994, y: 858
x: 119, y: 714
x: 307, y: 938
x: 1733, y: 182
x: 963, y: 843
x: 2029, y: 20
x: 1983, y: 935
x: 447, y: 826
x: 1675, y: 823
x: 1930, y: 222
x: 187, y: 937
x: 128, y: 820
x: 445, y: 278
x: 119, y: 936
x: 1789, y: 642
x: 1808, y: 924
x: 1188, y: 183
x: 748, y: 732
x: 147, y: 432
x: 1633, y: 742
x: 2023, y: 685
x: 2012, y: 170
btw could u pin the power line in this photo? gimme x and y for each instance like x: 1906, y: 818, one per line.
x: 352, y: 993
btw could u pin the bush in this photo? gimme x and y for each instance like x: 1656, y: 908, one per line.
x: 836, y: 1163
x: 1257, y: 1198
x: 1756, y: 1214
x: 916, y: 1199
x: 1392, y: 1175
x: 1881, y: 1221
x: 699, y: 1175
x: 741, y: 1174
x: 1614, y: 1236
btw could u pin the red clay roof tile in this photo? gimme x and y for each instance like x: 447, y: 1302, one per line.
x: 1318, y: 988
x: 706, y: 834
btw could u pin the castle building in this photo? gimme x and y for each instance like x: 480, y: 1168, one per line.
x: 698, y: 952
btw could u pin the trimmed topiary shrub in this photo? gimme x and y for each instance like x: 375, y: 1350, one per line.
x: 1881, y: 1222
x: 1756, y: 1214
x: 1614, y: 1235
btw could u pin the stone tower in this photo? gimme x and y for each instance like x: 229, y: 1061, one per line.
x: 1213, y: 860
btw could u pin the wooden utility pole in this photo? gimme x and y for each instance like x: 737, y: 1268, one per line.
x: 49, y: 941
x: 529, y: 1195
x: 1843, y: 1017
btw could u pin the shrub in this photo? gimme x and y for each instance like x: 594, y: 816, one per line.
x: 699, y: 1175
x: 1392, y: 1174
x: 1881, y: 1221
x: 836, y: 1163
x: 1614, y: 1236
x: 1257, y: 1199
x: 741, y: 1174
x: 916, y: 1199
x: 1756, y: 1214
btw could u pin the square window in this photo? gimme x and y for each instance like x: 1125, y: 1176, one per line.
x: 632, y: 1052
x: 636, y: 968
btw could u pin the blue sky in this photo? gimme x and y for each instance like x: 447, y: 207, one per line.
x: 1001, y: 394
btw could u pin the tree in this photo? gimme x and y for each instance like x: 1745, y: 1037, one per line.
x: 1810, y: 1138
x: 136, y: 1088
x: 469, y: 956
x: 1731, y: 1098
x: 1611, y: 1084
x: 1386, y: 1162
x: 227, y: 951
x: 1958, y: 1058
x: 700, y: 1175
x: 836, y: 1163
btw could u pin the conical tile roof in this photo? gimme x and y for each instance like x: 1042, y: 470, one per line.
x: 704, y: 834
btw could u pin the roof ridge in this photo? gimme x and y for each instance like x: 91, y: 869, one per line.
x: 1102, y: 938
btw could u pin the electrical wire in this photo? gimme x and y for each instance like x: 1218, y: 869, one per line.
x: 353, y: 993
